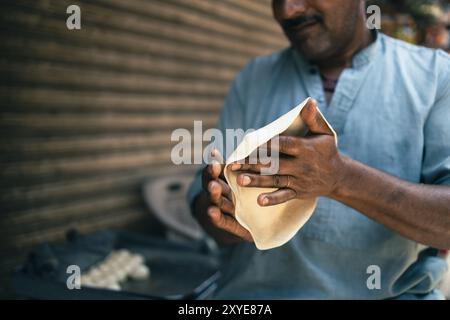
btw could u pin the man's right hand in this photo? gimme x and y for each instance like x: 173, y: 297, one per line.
x: 214, y: 208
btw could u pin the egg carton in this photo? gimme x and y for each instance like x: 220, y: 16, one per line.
x: 117, y: 265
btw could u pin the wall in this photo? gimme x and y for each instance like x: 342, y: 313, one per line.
x: 86, y: 115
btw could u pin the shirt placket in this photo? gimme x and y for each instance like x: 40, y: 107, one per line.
x: 347, y: 89
x: 348, y: 86
x: 310, y: 78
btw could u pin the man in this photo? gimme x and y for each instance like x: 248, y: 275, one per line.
x: 384, y: 191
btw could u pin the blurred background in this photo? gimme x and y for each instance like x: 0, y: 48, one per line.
x: 87, y: 115
x: 424, y: 22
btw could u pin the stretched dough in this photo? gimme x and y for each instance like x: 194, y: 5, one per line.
x: 275, y: 225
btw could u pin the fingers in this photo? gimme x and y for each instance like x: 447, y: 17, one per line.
x: 217, y: 156
x: 226, y: 206
x: 218, y: 188
x: 290, y: 145
x: 313, y: 120
x: 217, y: 162
x: 273, y: 181
x: 248, y: 167
x: 228, y: 224
x: 283, y: 167
x: 226, y: 190
x: 217, y: 198
x: 285, y: 147
x: 215, y: 191
x: 276, y: 197
x: 212, y: 171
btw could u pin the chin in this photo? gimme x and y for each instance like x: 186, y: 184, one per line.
x: 312, y: 54
x: 314, y: 50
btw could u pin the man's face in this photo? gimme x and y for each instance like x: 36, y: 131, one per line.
x: 319, y: 29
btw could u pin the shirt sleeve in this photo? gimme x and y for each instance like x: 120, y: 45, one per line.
x: 436, y: 160
x: 231, y: 117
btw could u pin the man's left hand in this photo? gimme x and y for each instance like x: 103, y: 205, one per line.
x: 310, y: 166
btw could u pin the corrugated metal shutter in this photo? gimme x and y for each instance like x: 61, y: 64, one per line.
x: 87, y: 114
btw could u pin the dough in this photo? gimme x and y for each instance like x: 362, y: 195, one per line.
x: 271, y: 226
x: 141, y: 272
x: 114, y: 286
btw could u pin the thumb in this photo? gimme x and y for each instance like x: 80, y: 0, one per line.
x: 313, y: 119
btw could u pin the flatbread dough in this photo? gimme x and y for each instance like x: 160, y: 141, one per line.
x: 271, y: 226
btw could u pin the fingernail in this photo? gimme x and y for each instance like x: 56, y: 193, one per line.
x: 215, y: 166
x: 245, y: 180
x: 211, y: 186
x: 265, y: 201
x: 235, y: 167
x: 213, y: 213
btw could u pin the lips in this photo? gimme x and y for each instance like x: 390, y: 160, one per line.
x: 303, y: 26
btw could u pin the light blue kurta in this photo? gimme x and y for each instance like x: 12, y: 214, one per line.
x: 391, y: 111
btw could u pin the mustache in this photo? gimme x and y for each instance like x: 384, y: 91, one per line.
x: 287, y: 24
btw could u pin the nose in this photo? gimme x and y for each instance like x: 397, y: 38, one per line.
x: 287, y: 9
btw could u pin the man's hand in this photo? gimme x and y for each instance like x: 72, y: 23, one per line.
x: 308, y: 167
x: 215, y: 208
x: 312, y: 166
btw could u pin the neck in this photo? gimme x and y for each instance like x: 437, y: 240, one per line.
x: 333, y: 67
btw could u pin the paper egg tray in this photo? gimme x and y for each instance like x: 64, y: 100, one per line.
x: 176, y: 271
